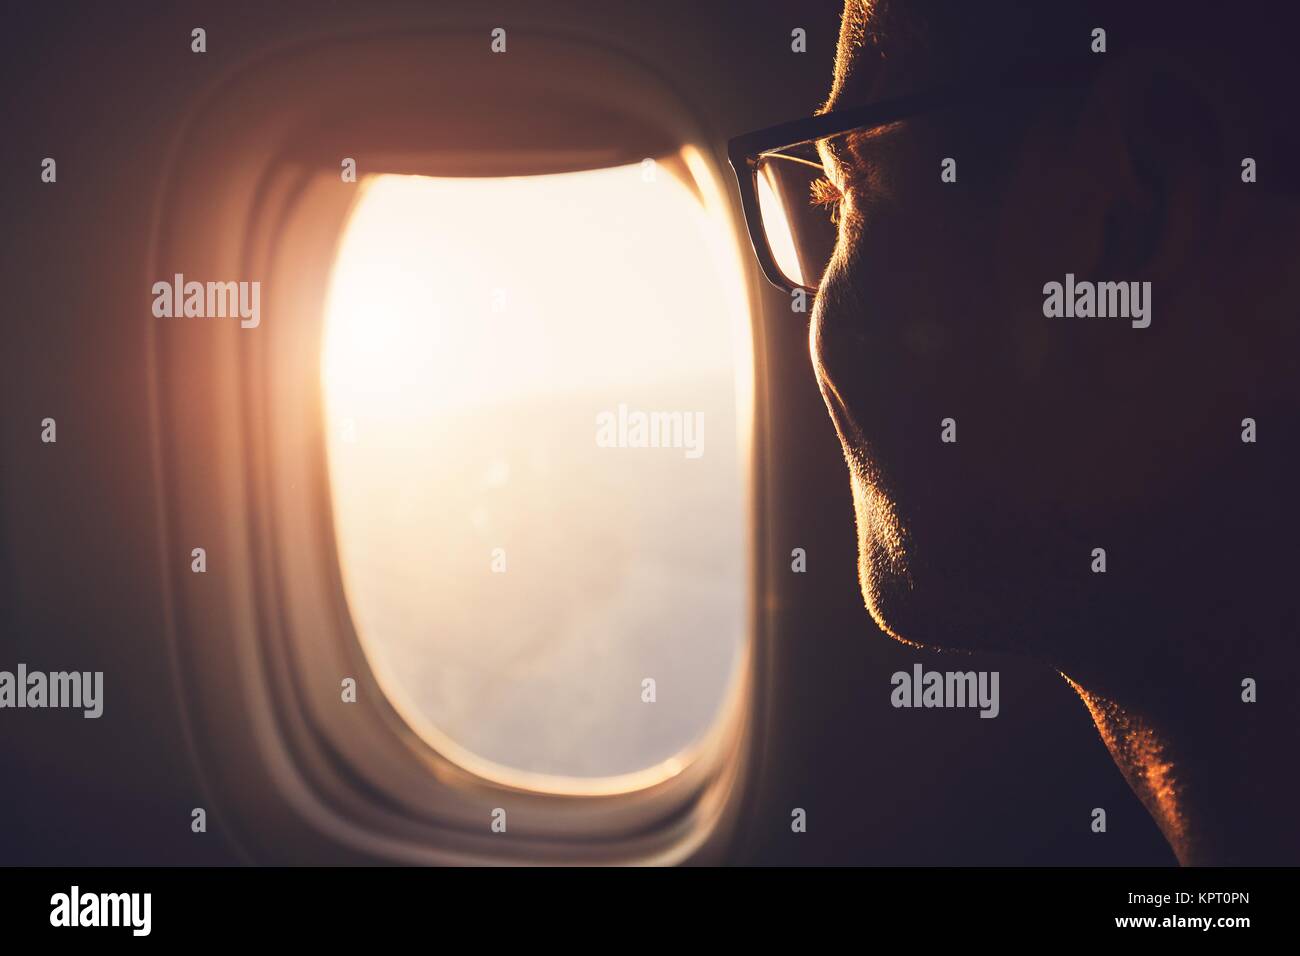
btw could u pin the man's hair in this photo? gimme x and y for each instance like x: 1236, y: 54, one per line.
x: 1246, y: 49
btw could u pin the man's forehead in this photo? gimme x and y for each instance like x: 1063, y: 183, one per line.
x: 858, y: 57
x: 887, y: 48
x: 879, y: 53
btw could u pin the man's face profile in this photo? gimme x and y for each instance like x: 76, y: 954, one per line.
x: 1030, y: 339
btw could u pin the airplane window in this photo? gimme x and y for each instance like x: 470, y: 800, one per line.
x: 530, y: 393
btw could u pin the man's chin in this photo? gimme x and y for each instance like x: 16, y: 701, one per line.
x: 907, y: 613
x: 918, y: 603
x: 935, y: 611
x: 880, y: 593
x: 883, y: 545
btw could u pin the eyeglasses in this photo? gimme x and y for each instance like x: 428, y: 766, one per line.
x: 789, y: 210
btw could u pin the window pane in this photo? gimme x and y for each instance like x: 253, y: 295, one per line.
x: 517, y: 564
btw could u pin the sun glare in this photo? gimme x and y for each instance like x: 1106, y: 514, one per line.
x: 780, y: 239
x: 513, y: 580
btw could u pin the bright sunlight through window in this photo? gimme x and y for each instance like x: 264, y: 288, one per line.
x: 501, y: 358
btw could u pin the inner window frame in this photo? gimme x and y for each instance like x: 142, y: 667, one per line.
x: 256, y: 684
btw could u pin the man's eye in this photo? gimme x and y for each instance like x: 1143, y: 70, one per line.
x: 826, y: 194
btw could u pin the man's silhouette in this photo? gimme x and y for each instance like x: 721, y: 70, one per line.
x: 1086, y: 443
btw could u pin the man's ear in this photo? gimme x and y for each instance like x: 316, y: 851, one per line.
x: 1130, y: 170
x: 1160, y: 133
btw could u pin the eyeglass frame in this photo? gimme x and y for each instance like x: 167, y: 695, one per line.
x: 745, y: 151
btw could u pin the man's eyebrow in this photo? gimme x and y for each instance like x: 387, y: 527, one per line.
x: 832, y: 101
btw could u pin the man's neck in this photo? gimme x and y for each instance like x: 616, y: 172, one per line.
x: 1220, y: 781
